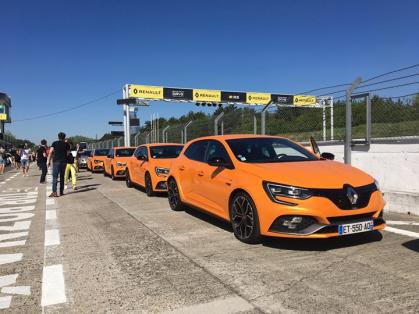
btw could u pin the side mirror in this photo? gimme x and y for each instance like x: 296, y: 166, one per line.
x: 218, y: 162
x: 109, y: 156
x: 329, y: 156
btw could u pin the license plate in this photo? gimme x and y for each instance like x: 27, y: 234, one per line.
x: 356, y: 227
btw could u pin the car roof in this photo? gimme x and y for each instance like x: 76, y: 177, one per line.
x: 235, y: 136
x: 161, y: 144
x: 124, y: 147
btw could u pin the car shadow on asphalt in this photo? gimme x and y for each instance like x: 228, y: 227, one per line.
x: 82, y: 189
x: 412, y: 245
x: 323, y: 244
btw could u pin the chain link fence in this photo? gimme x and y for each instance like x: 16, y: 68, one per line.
x: 389, y: 119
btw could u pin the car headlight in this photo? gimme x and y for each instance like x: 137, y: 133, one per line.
x: 121, y: 164
x: 274, y: 190
x: 160, y: 170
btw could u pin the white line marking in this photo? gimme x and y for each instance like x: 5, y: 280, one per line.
x: 5, y: 302
x: 53, y: 290
x: 50, y: 201
x: 8, y: 210
x: 8, y: 280
x: 52, y: 237
x: 18, y: 225
x: 16, y: 217
x: 51, y: 214
x: 221, y: 306
x: 22, y: 290
x: 401, y: 223
x: 402, y: 232
x: 12, y: 243
x: 10, y: 258
x: 9, y: 236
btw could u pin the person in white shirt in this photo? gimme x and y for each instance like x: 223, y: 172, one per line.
x: 24, y: 159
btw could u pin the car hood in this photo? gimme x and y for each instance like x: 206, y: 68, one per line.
x: 310, y: 174
x: 101, y: 158
x: 162, y: 162
x: 122, y: 159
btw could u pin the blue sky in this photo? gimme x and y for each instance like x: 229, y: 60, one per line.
x: 59, y: 54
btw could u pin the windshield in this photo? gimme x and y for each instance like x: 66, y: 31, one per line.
x: 265, y: 150
x: 86, y: 153
x: 168, y: 151
x: 124, y: 152
x: 101, y: 152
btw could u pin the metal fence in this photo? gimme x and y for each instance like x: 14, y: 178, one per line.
x: 389, y: 119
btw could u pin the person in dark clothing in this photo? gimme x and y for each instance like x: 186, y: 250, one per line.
x: 59, y: 150
x: 42, y: 160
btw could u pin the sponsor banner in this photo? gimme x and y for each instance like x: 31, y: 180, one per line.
x: 3, y: 117
x: 146, y: 92
x: 206, y: 95
x: 282, y: 99
x: 177, y: 93
x: 233, y: 97
x: 303, y: 100
x: 258, y: 98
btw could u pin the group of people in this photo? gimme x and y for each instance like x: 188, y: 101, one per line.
x: 62, y: 154
x: 64, y: 163
x: 17, y: 158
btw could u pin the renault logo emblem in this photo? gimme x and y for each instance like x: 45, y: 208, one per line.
x: 351, y: 195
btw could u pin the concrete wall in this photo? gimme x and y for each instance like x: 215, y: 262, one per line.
x: 395, y: 166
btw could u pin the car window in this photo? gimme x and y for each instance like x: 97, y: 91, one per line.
x: 86, y: 153
x: 196, y: 151
x: 165, y: 151
x: 101, y: 152
x: 143, y: 151
x: 124, y: 152
x: 216, y: 149
x: 137, y: 152
x: 268, y: 150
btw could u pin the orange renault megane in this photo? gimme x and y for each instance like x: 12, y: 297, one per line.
x: 274, y: 187
x: 149, y: 166
x: 96, y: 161
x: 116, y: 161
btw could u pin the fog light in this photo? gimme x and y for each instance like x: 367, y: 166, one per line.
x: 292, y: 224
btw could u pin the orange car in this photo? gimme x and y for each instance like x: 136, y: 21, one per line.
x: 96, y: 161
x: 271, y: 186
x: 149, y: 166
x: 116, y: 161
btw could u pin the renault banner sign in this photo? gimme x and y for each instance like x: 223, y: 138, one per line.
x: 216, y: 96
x: 303, y: 100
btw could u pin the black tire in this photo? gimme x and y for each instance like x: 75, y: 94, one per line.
x: 148, y: 185
x: 112, y: 174
x: 104, y: 173
x: 173, y: 196
x: 244, y: 218
x: 128, y: 180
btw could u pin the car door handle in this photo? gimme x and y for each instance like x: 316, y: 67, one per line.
x: 182, y: 168
x: 200, y: 173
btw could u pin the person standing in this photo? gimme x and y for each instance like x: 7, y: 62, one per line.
x: 42, y: 160
x: 24, y: 159
x: 59, y: 150
x: 70, y: 168
x: 2, y: 159
x: 17, y: 159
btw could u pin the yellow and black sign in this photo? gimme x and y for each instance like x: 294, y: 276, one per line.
x: 3, y: 117
x: 146, y: 92
x: 206, y: 95
x: 217, y: 96
x: 258, y: 98
x: 303, y: 100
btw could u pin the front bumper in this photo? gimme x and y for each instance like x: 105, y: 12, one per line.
x: 323, y: 217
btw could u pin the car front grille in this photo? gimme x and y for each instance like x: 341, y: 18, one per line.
x: 341, y: 200
x: 350, y: 218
